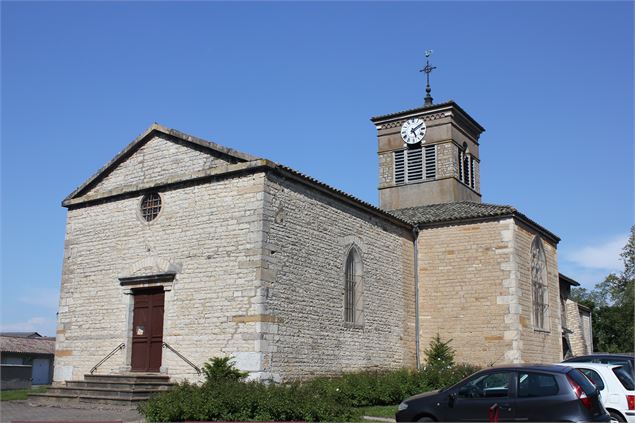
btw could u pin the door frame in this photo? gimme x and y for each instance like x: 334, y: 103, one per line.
x: 131, y: 285
x: 150, y: 293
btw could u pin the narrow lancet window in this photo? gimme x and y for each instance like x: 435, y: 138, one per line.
x: 353, y: 311
x: 539, y: 284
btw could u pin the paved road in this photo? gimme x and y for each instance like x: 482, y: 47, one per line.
x: 23, y: 411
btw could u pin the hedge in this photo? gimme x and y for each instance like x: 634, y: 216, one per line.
x: 320, y: 399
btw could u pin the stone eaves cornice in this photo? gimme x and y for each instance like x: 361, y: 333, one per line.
x: 210, y: 173
x: 253, y: 166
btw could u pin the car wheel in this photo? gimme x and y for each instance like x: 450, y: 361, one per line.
x: 616, y: 417
x: 425, y: 419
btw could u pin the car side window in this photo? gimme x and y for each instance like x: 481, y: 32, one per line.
x: 490, y: 385
x: 593, y: 377
x: 536, y: 385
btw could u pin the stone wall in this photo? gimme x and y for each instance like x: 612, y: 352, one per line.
x: 308, y: 237
x: 209, y: 233
x: 386, y: 169
x: 467, y: 290
x: 447, y: 160
x: 579, y: 322
x: 537, y: 345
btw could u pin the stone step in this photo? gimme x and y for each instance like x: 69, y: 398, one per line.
x: 104, y: 392
x: 61, y: 399
x: 118, y: 384
x: 122, y: 389
x: 128, y: 377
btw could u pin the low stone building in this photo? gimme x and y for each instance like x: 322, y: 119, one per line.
x: 26, y: 349
x: 180, y: 248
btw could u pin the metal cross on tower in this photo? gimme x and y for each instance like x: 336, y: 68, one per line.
x: 427, y: 70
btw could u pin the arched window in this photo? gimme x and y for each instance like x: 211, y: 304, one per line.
x: 353, y: 281
x: 539, y: 284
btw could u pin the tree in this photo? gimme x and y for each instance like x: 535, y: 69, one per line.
x: 439, y: 353
x: 222, y: 369
x: 612, y: 302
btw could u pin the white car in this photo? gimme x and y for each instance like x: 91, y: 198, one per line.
x: 616, y: 385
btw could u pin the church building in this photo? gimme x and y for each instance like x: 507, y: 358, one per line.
x: 181, y: 249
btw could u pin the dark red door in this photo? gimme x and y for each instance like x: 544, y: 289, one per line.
x: 147, y: 331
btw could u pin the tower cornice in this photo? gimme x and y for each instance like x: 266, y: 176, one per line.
x: 448, y: 107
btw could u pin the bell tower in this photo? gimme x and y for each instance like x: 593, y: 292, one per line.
x: 428, y: 155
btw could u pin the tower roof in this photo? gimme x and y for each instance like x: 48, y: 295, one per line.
x: 448, y: 105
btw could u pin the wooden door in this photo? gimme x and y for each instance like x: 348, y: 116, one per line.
x: 147, y: 331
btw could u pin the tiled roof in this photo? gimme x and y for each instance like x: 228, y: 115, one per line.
x: 27, y: 345
x: 416, y: 109
x: 309, y: 179
x: 451, y: 211
x: 449, y: 103
x: 462, y: 211
x: 21, y: 334
x: 566, y: 279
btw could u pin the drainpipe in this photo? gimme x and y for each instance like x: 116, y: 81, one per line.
x: 591, y: 330
x: 415, y: 236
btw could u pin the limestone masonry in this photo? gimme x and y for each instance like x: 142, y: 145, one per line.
x: 180, y: 250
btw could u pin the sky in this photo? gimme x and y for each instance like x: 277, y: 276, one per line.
x: 297, y: 82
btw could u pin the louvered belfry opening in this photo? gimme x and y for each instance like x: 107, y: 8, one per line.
x: 415, y: 164
x: 466, y: 169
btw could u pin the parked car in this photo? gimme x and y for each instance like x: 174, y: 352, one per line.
x: 606, y: 358
x: 523, y: 392
x: 617, y: 388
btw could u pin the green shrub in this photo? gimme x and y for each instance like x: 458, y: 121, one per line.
x: 222, y: 369
x: 240, y: 401
x: 320, y: 399
x: 437, y: 377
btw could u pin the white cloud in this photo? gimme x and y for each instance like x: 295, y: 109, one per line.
x: 41, y: 325
x: 45, y: 298
x: 605, y: 256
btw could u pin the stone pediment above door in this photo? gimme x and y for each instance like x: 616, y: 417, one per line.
x: 150, y: 272
x: 160, y: 155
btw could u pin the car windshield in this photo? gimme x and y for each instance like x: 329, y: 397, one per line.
x: 626, y: 379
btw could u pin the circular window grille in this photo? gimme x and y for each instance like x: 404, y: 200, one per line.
x: 150, y: 206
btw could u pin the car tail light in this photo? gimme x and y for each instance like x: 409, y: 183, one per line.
x: 630, y: 399
x: 579, y: 392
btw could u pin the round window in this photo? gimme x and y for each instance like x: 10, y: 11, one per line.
x: 150, y: 206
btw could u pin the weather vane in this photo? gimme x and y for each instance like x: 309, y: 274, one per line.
x: 427, y: 70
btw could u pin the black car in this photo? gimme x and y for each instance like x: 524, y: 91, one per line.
x: 523, y: 392
x: 627, y: 360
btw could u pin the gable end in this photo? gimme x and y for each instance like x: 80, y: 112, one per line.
x: 183, y: 151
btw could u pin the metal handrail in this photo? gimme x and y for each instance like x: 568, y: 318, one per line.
x: 103, y: 360
x: 166, y: 345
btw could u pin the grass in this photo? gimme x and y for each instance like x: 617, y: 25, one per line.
x: 387, y: 411
x: 21, y: 394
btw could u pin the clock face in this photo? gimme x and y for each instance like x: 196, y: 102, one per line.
x: 413, y: 130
